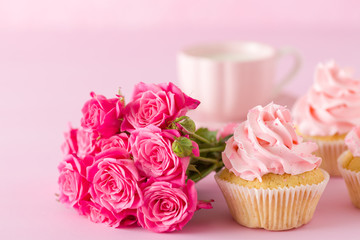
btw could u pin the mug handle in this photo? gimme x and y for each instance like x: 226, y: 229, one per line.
x: 282, y: 52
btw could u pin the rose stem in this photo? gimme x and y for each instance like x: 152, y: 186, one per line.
x: 207, y: 171
x: 201, y: 139
x: 212, y: 149
x: 204, y: 159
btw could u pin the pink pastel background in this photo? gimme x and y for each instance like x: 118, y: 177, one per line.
x: 53, y: 53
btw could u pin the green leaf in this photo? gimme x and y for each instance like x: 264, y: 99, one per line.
x: 207, y: 134
x: 193, y: 168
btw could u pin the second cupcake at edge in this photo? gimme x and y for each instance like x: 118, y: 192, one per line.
x: 349, y: 165
x: 271, y: 178
x: 329, y: 110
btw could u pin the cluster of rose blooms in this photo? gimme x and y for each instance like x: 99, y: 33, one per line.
x: 126, y: 164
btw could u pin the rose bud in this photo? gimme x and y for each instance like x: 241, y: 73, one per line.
x: 182, y: 147
x: 188, y: 124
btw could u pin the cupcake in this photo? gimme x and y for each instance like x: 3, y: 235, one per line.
x: 329, y: 110
x: 271, y: 178
x: 349, y: 165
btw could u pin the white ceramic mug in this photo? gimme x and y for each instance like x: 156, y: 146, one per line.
x: 230, y: 78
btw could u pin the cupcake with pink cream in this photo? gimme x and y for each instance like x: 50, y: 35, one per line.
x: 349, y: 165
x: 329, y: 110
x: 271, y: 178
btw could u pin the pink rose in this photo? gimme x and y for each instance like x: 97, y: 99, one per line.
x: 79, y: 142
x: 153, y: 154
x: 98, y: 214
x: 115, y: 180
x: 156, y: 104
x: 70, y: 145
x: 167, y: 207
x: 72, y: 180
x: 116, y: 141
x: 102, y: 115
x: 86, y: 141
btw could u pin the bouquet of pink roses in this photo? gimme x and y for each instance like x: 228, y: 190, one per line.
x: 137, y: 163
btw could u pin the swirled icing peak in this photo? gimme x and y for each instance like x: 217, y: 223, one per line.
x: 267, y: 143
x: 352, y: 141
x: 332, y: 105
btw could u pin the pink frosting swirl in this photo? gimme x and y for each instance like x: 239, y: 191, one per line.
x: 267, y: 143
x: 352, y: 141
x: 332, y: 105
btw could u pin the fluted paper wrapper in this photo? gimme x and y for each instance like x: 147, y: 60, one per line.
x: 352, y: 180
x: 329, y: 151
x: 272, y: 209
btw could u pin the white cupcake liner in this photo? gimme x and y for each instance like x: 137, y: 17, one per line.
x: 272, y: 209
x: 352, y: 180
x: 329, y: 151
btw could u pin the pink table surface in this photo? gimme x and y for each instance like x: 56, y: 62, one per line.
x: 45, y: 77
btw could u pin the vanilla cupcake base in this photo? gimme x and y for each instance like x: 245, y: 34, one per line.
x: 352, y: 179
x: 272, y: 209
x: 329, y: 151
